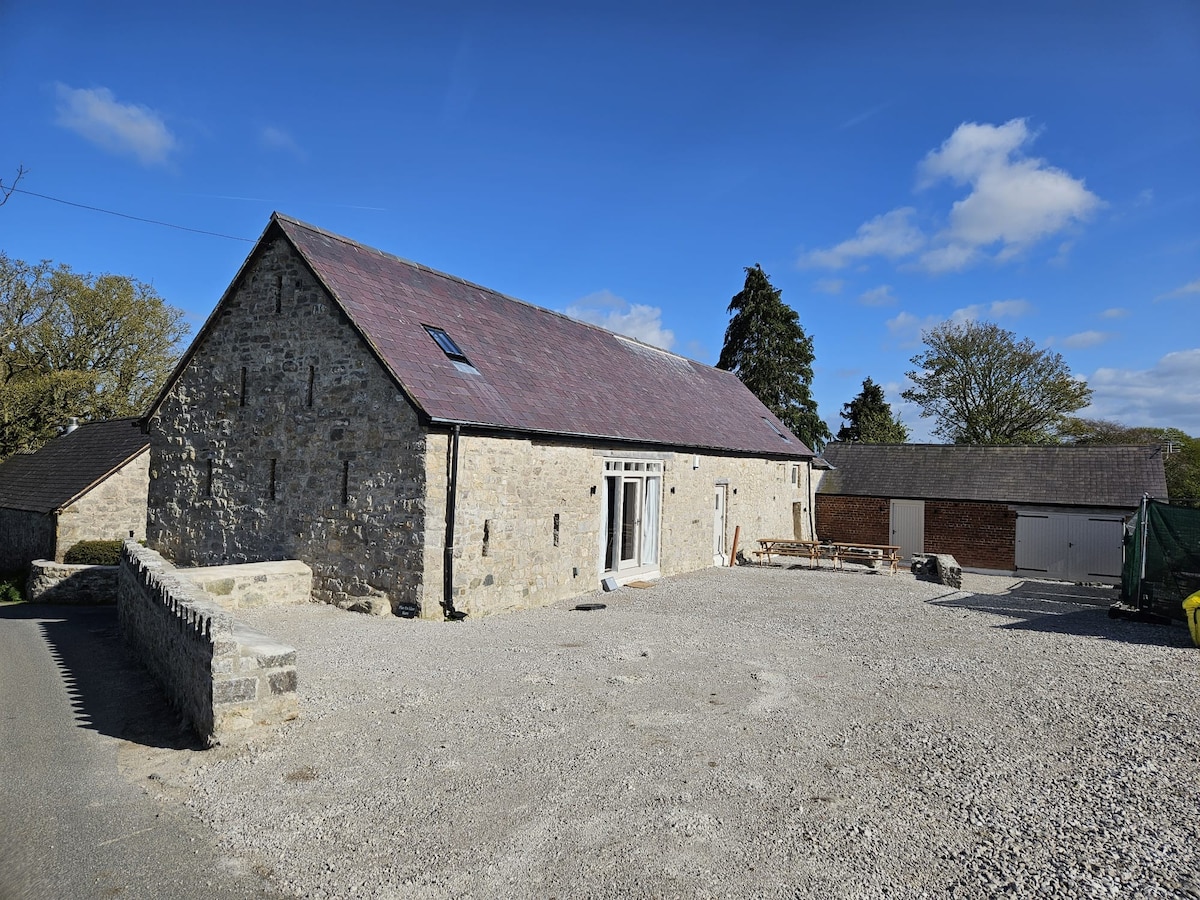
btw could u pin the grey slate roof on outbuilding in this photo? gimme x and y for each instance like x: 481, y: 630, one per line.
x: 535, y: 371
x: 69, y: 466
x: 1098, y: 476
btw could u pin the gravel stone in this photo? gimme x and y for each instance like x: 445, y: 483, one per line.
x: 762, y: 731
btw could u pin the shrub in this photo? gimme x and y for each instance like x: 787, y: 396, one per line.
x: 10, y: 587
x: 94, y: 553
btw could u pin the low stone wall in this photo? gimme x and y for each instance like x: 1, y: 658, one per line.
x: 51, y: 582
x: 254, y: 584
x: 222, y: 675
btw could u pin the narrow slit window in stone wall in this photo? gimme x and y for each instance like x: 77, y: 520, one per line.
x: 208, y: 479
x: 345, y: 481
x: 271, y: 479
x: 556, y: 529
x: 312, y: 377
x: 278, y: 293
x: 242, y: 395
x: 487, y: 535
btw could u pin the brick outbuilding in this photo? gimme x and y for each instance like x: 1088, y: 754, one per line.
x: 1054, y: 512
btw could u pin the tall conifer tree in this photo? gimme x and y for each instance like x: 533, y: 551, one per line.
x: 766, y: 348
x: 869, y: 419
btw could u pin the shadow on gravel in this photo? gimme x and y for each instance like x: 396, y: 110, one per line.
x: 110, y: 691
x: 1068, y: 609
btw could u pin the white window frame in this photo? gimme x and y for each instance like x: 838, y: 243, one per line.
x: 641, y: 479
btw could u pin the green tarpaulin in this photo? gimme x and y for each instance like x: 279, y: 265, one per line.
x: 1162, y: 558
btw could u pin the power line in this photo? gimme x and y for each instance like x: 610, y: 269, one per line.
x: 110, y: 212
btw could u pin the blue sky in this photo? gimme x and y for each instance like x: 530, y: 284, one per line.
x: 890, y: 166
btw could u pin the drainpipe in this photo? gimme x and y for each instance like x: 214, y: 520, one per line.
x: 452, y: 614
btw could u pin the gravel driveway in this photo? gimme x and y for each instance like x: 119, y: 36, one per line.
x: 751, y: 732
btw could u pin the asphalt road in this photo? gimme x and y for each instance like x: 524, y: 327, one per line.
x: 71, y: 824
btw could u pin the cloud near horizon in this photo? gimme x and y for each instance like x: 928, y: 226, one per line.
x: 1014, y: 202
x: 126, y: 129
x: 1162, y: 397
x: 636, y: 320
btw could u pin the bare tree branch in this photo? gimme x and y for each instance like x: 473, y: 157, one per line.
x: 6, y: 192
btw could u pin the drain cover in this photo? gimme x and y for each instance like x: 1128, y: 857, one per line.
x: 589, y: 607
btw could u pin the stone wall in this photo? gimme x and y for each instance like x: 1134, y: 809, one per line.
x: 114, y: 510
x: 508, y: 553
x: 54, y: 582
x: 285, y: 439
x: 24, y: 537
x: 221, y: 675
x: 254, y: 584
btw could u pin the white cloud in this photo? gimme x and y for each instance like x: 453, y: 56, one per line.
x: 1192, y: 287
x: 878, y: 296
x: 907, y: 328
x: 122, y: 128
x: 829, y: 285
x: 999, y: 309
x: 606, y: 309
x: 1145, y: 197
x: 892, y: 235
x: 1085, y: 339
x: 1014, y: 201
x: 1164, y: 396
x: 272, y: 138
x: 1115, y: 313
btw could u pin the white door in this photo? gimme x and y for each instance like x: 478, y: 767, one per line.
x: 1070, y: 546
x: 908, y: 527
x: 719, y: 555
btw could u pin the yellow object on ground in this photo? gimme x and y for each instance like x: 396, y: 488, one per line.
x: 1191, y: 609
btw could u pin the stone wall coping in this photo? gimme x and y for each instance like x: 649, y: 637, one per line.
x: 253, y: 642
x: 246, y: 570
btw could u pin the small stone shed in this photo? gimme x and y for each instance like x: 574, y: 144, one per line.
x: 1051, y: 512
x: 433, y: 447
x: 87, y: 484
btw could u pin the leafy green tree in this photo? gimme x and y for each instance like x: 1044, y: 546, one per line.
x: 90, y: 346
x: 869, y: 419
x: 982, y: 386
x: 766, y: 347
x: 1181, y: 453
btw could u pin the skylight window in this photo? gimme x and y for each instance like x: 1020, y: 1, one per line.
x: 775, y: 428
x: 447, y: 344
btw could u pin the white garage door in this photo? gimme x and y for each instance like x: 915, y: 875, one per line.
x: 1070, y: 546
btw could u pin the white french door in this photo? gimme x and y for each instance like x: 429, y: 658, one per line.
x: 631, y: 514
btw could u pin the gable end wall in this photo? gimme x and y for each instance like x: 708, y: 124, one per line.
x: 349, y: 472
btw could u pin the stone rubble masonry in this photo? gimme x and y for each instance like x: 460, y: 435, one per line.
x: 114, y: 510
x: 315, y: 453
x: 254, y: 584
x: 220, y: 674
x: 69, y: 585
x: 511, y: 489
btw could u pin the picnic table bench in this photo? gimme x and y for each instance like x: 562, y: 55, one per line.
x: 837, y: 551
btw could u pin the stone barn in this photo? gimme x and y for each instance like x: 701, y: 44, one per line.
x: 1051, y: 512
x: 87, y: 484
x: 433, y: 447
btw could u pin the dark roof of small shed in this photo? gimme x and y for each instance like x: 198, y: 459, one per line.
x: 69, y: 466
x: 537, y: 371
x: 1104, y: 476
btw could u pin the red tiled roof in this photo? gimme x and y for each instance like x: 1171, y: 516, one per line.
x: 537, y: 371
x: 69, y: 466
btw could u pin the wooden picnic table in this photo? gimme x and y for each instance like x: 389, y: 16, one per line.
x: 837, y: 551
